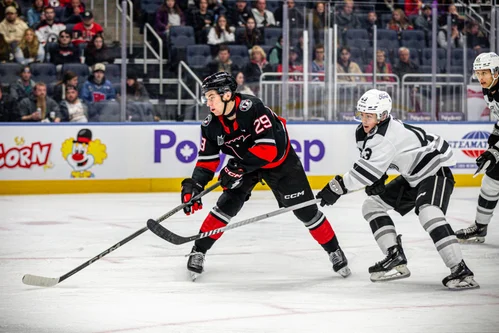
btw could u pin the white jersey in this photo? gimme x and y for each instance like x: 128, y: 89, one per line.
x: 408, y: 149
x: 492, y: 101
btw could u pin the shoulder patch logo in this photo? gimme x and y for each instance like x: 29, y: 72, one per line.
x: 245, y: 105
x: 207, y: 120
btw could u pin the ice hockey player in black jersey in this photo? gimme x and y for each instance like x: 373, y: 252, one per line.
x: 486, y: 67
x: 243, y: 127
x: 425, y: 183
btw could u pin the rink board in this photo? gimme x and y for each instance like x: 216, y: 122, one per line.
x: 48, y: 158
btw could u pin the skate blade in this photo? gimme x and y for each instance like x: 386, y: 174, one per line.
x: 344, y: 272
x: 397, y: 273
x: 194, y: 276
x: 474, y: 240
x: 467, y: 283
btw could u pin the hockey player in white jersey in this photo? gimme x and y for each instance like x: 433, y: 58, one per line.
x: 486, y: 67
x: 425, y: 183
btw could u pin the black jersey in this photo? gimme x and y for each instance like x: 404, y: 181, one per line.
x: 257, y: 138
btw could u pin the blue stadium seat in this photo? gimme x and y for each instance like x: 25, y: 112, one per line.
x: 69, y: 28
x: 457, y: 57
x: 79, y: 69
x: 113, y: 73
x: 357, y: 55
x: 198, y: 56
x: 239, y: 54
x: 267, y: 49
x: 357, y: 37
x: 9, y: 72
x: 385, y: 18
x: 180, y: 37
x: 271, y: 35
x: 426, y: 58
x: 45, y: 72
x: 413, y: 39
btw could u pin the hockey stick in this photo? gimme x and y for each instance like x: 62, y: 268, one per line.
x: 173, y: 238
x: 41, y: 281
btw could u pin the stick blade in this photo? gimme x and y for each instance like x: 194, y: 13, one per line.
x: 164, y: 233
x: 481, y: 168
x: 39, y: 281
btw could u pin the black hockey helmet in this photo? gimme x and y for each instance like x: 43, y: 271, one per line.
x: 222, y: 82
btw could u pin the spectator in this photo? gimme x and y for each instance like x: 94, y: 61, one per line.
x: 12, y: 27
x: 35, y: 13
x: 424, y: 22
x: 370, y: 22
x: 39, y: 107
x: 319, y: 16
x: 295, y: 66
x: 24, y: 85
x: 97, y: 88
x: 169, y: 14
x: 399, y: 22
x: 345, y: 65
x: 201, y: 18
x: 242, y: 88
x: 223, y: 63
x: 98, y: 51
x: 5, y: 50
x: 475, y: 38
x: 72, y: 108
x: 29, y: 50
x: 295, y: 17
x: 4, y: 4
x: 258, y: 65
x: 8, y: 108
x: 275, y: 53
x: 84, y: 31
x: 72, y: 12
x: 49, y: 28
x: 238, y: 17
x: 251, y: 36
x: 452, y: 10
x: 382, y: 67
x: 57, y: 3
x: 217, y: 7
x: 412, y: 7
x: 456, y: 36
x: 346, y: 19
x: 69, y: 79
x: 405, y: 64
x: 263, y: 17
x: 220, y: 33
x: 64, y: 52
x: 135, y: 90
x: 318, y: 62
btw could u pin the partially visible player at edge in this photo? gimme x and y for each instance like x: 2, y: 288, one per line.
x: 486, y: 67
x: 243, y: 127
x: 425, y: 183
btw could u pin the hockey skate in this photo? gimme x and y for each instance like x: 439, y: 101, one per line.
x: 195, y: 264
x: 461, y: 277
x: 340, y: 262
x: 474, y: 234
x: 393, y: 267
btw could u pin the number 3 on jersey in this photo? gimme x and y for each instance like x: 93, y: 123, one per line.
x: 366, y: 153
x: 262, y: 123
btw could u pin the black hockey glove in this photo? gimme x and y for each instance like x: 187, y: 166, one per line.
x: 494, y: 136
x: 332, y: 191
x: 491, y: 155
x: 231, y: 176
x: 191, y: 188
x: 377, y: 187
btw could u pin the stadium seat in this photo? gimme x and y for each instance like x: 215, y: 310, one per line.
x: 239, y: 54
x: 79, y: 69
x: 69, y: 28
x: 357, y: 37
x: 385, y: 18
x: 113, y: 73
x: 180, y: 37
x: 357, y: 55
x: 271, y: 35
x: 198, y: 56
x: 457, y: 57
x: 45, y: 72
x: 426, y: 58
x: 413, y: 39
x: 9, y: 72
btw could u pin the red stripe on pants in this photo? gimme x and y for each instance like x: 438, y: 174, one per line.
x: 211, y: 222
x: 323, y: 233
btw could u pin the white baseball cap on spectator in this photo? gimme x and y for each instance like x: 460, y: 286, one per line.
x: 99, y: 67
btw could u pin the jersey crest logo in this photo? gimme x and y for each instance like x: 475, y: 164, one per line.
x: 220, y: 140
x: 207, y: 120
x: 245, y: 105
x: 366, y: 153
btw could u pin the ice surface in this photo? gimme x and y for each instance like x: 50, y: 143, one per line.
x: 269, y: 276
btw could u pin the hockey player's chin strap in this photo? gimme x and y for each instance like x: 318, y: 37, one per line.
x: 231, y: 113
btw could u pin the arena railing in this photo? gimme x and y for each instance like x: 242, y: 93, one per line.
x: 183, y: 84
x: 129, y: 18
x: 148, y: 29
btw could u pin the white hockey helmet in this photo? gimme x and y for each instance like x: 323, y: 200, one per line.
x: 487, y: 60
x: 374, y: 101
